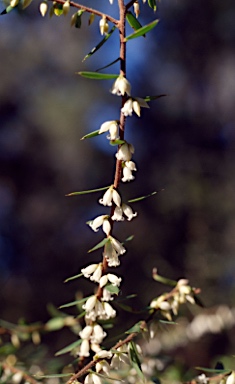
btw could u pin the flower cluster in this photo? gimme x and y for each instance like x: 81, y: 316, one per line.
x: 169, y: 303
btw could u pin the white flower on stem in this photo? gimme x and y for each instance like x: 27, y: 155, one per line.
x: 118, y: 247
x: 104, y: 27
x: 103, y: 354
x: 106, y: 295
x: 92, y: 378
x: 43, y: 8
x: 98, y: 334
x: 136, y: 8
x: 125, y: 152
x: 111, y: 255
x: 84, y: 348
x: 109, y: 312
x: 231, y: 378
x: 120, y: 360
x: 111, y: 195
x: 86, y: 332
x: 90, y: 304
x: 133, y: 104
x: 129, y: 167
x: 93, y: 271
x: 121, y: 86
x: 110, y: 277
x: 103, y: 366
x: 95, y: 347
x: 101, y: 220
x: 128, y: 212
x: 112, y: 127
x: 117, y: 215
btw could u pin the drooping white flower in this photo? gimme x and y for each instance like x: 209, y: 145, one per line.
x: 101, y: 220
x: 90, y: 303
x: 117, y: 246
x: 43, y: 8
x: 111, y: 195
x: 133, y: 104
x: 104, y: 27
x: 109, y: 311
x: 93, y: 271
x: 92, y: 378
x: 120, y: 359
x: 112, y: 127
x: 114, y: 280
x: 128, y: 212
x: 103, y: 366
x: 103, y: 354
x: 125, y: 152
x: 117, y: 215
x: 136, y: 8
x: 106, y: 295
x: 84, y: 348
x: 86, y: 332
x: 121, y: 86
x: 98, y: 334
x: 111, y: 255
x: 129, y: 167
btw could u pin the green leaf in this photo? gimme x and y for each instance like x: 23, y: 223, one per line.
x: 54, y: 376
x: 97, y: 76
x: 143, y: 30
x: 108, y: 65
x: 137, y: 328
x: 112, y: 289
x: 54, y: 324
x: 133, y: 22
x: 163, y: 280
x: 91, y: 134
x: 98, y: 46
x: 135, y: 361
x: 125, y: 307
x: 149, y: 98
x: 213, y: 370
x: 73, y: 277
x: 69, y: 348
x: 89, y: 191
x: 117, y: 142
x: 142, y: 197
x: 129, y: 238
x: 74, y: 303
x: 152, y: 4
x: 99, y: 245
x: 7, y: 10
x: 78, y: 21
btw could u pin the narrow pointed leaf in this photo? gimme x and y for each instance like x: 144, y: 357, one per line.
x: 117, y: 142
x: 55, y: 324
x: 213, y: 370
x: 108, y: 65
x: 69, y: 348
x: 98, y: 46
x: 54, y: 376
x: 149, y: 98
x: 86, y: 192
x: 99, y: 245
x: 142, y: 197
x: 133, y: 22
x: 135, y: 329
x: 129, y: 238
x: 7, y: 10
x: 112, y: 289
x: 143, y: 30
x: 91, y: 134
x: 73, y: 303
x: 163, y: 280
x: 97, y: 76
x: 135, y: 361
x: 73, y: 277
x: 152, y: 4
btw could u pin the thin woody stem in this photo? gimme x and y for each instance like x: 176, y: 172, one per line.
x: 89, y: 10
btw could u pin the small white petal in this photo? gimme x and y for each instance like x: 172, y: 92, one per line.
x: 90, y: 303
x: 86, y: 332
x: 84, y: 349
x: 116, y: 198
x: 107, y: 198
x: 97, y: 222
x: 89, y: 270
x: 127, y: 210
x: 103, y: 355
x: 117, y: 216
x: 106, y: 227
x: 97, y: 273
x: 114, y: 280
x: 103, y: 281
x: 118, y: 246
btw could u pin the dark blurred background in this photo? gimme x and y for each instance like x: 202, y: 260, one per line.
x: 184, y: 146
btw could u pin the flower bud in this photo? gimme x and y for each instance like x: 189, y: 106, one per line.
x: 104, y: 27
x: 43, y: 7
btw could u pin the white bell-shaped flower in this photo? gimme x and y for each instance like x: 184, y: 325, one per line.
x: 121, y: 86
x: 112, y: 127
